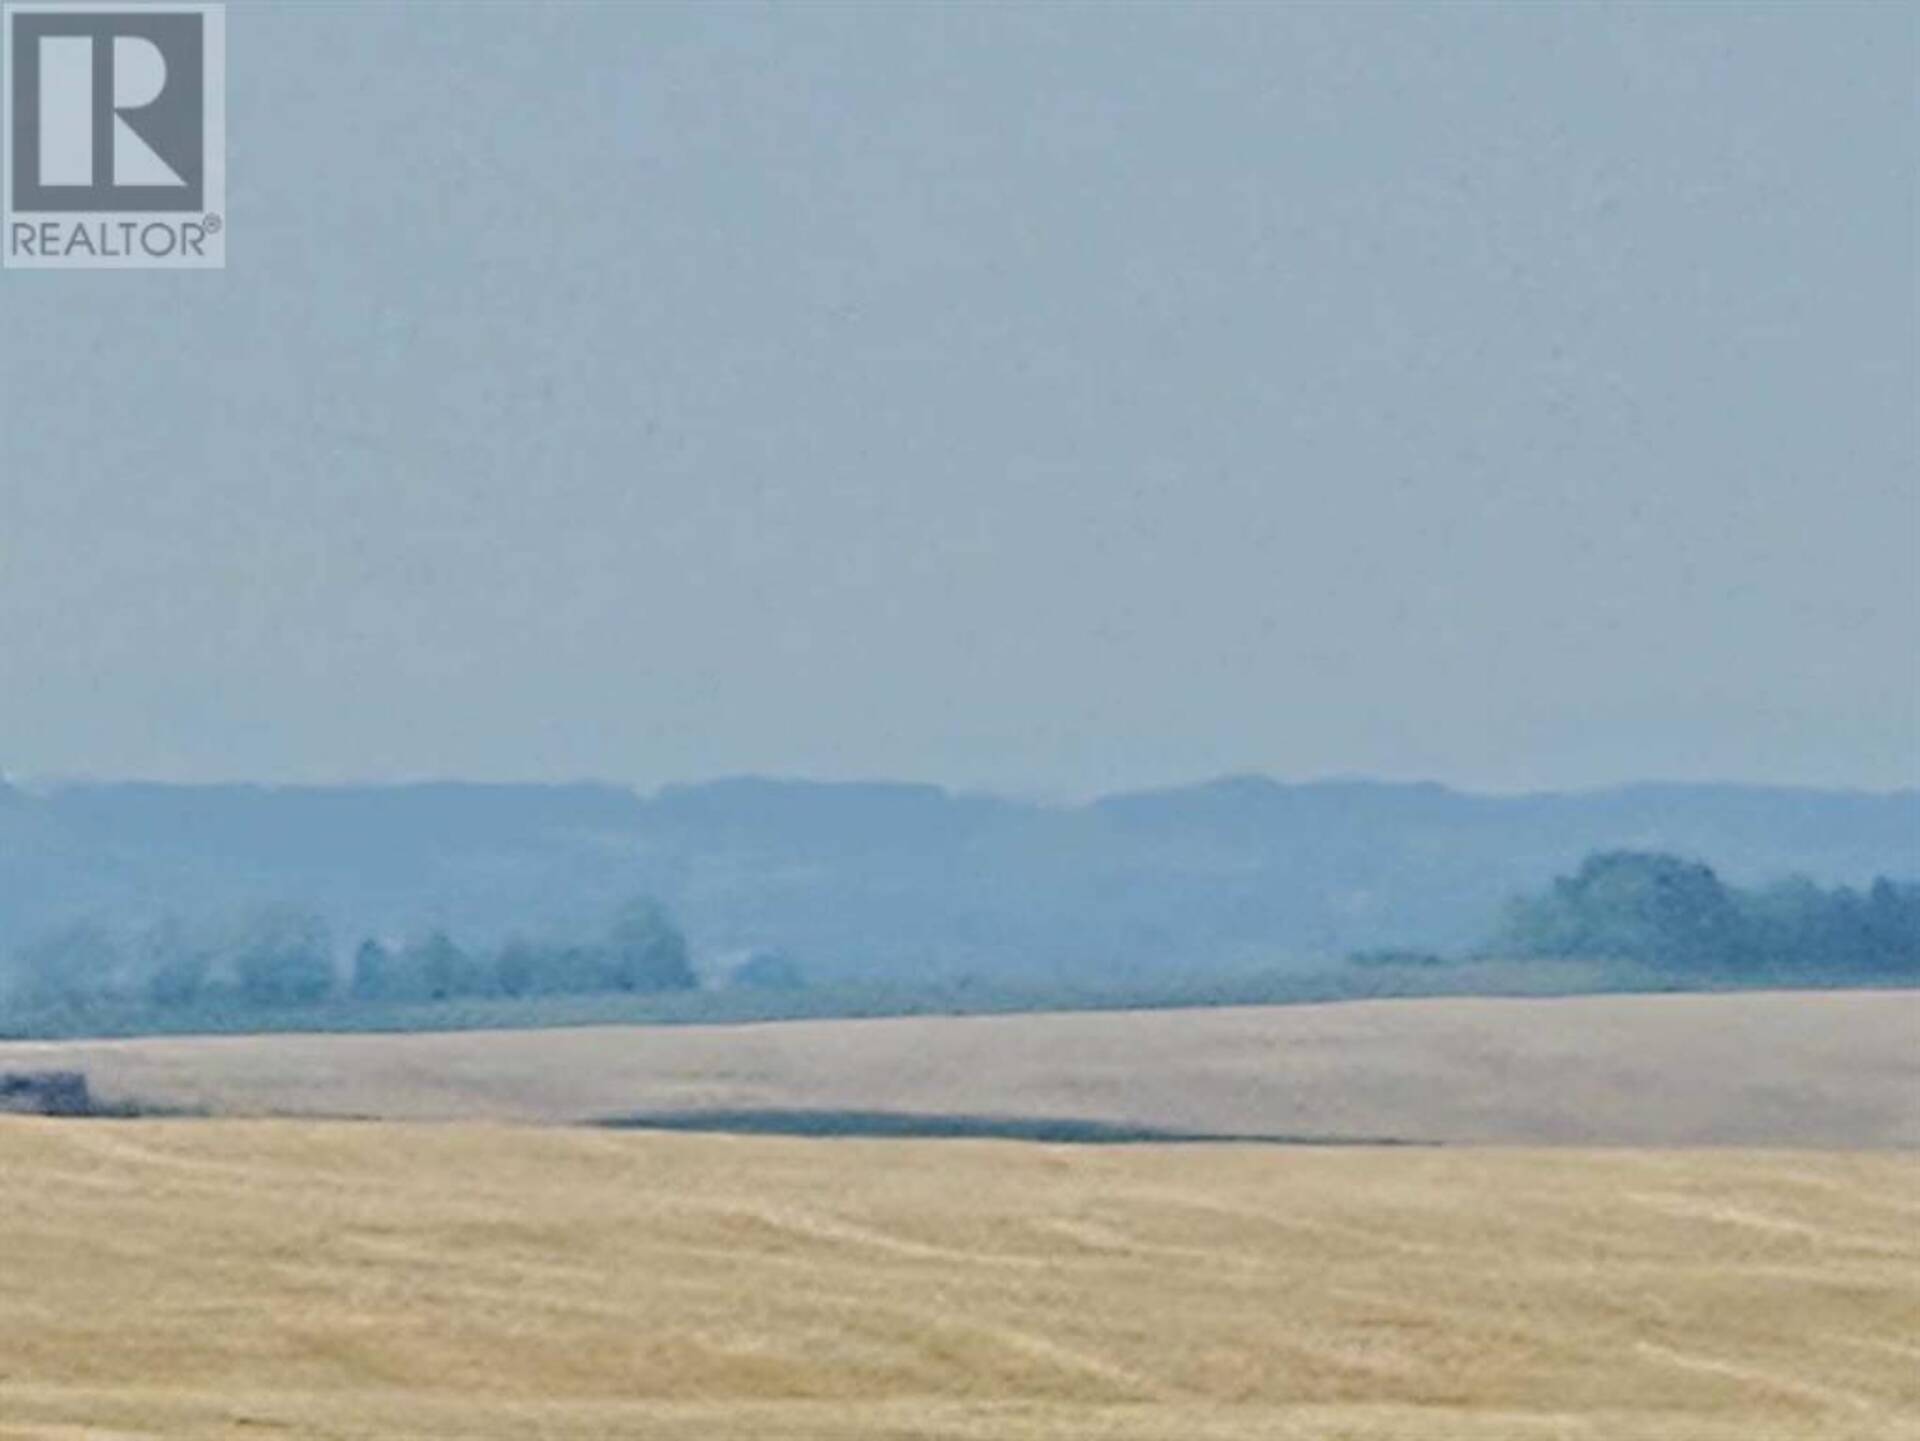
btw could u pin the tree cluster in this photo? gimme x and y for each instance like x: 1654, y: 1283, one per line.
x: 1678, y: 915
x: 641, y: 951
x: 285, y: 957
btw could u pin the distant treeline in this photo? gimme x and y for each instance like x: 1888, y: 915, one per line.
x: 286, y: 957
x: 1624, y: 920
x: 1678, y: 916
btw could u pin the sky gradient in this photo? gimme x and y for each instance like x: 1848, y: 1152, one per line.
x: 1044, y: 399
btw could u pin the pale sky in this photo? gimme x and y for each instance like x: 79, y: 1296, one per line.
x: 1046, y: 399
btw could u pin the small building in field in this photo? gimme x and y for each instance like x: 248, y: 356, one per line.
x: 45, y: 1093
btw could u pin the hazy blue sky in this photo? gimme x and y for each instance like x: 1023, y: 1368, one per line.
x: 1050, y: 398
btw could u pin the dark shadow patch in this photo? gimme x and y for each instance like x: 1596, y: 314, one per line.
x: 918, y: 1125
x: 45, y: 1093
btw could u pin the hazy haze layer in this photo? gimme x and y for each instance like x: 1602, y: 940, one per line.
x: 1058, y: 399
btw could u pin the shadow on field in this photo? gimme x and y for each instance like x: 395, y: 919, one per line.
x: 937, y: 1126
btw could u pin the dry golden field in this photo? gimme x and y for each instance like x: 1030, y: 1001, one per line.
x: 1823, y: 1069
x: 224, y: 1279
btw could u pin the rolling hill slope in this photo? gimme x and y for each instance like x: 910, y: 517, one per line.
x: 1822, y: 1069
x: 903, y: 881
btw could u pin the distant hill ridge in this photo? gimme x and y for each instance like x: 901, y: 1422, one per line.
x: 881, y: 879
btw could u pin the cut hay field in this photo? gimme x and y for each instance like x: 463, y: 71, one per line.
x: 227, y: 1279
x: 1823, y: 1069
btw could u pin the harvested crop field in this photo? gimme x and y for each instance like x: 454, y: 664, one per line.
x: 212, y: 1279
x: 1822, y: 1068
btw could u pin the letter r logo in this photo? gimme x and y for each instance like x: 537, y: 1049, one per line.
x: 108, y: 110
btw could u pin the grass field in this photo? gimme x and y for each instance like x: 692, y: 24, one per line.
x: 222, y: 1279
x: 1824, y: 1069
